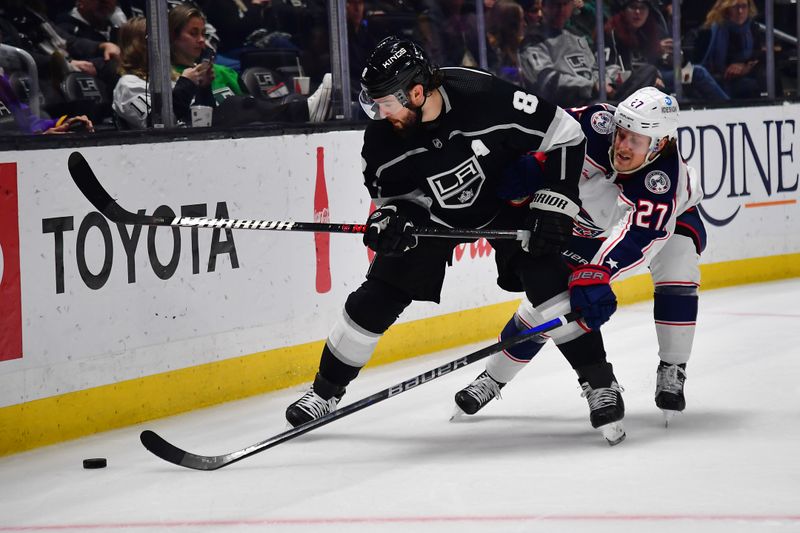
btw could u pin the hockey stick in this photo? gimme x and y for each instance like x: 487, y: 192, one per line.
x: 87, y: 182
x: 169, y: 452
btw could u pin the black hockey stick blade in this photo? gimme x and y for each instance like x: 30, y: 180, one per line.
x: 169, y: 452
x: 90, y: 186
x: 83, y: 176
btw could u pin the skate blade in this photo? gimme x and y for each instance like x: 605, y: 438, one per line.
x: 614, y: 433
x: 458, y: 415
x: 668, y: 415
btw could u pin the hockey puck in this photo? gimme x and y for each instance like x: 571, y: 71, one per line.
x: 95, y: 462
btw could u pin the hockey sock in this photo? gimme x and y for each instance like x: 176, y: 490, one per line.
x: 503, y: 366
x: 334, y: 373
x: 367, y: 314
x: 675, y: 314
x: 584, y: 351
x: 597, y: 375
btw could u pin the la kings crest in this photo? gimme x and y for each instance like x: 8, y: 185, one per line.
x: 460, y: 186
x: 579, y: 65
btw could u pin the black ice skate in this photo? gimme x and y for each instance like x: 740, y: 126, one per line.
x: 606, y: 408
x: 669, y: 389
x: 321, y: 399
x: 474, y: 396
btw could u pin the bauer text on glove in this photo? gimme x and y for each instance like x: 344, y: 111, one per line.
x: 590, y: 294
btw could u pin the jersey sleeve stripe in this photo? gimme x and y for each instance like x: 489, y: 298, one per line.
x: 398, y: 159
x: 597, y: 165
x: 507, y: 126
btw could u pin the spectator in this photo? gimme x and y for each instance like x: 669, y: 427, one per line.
x: 360, y: 43
x: 91, y: 20
x: 560, y: 66
x: 235, y: 20
x: 638, y: 38
x: 16, y: 117
x: 583, y: 21
x: 187, y: 34
x: 735, y: 50
x: 132, y: 99
x: 45, y: 37
x: 533, y: 13
x: 55, y: 51
x: 628, y: 37
x: 448, y: 32
x: 505, y: 29
x: 187, y: 30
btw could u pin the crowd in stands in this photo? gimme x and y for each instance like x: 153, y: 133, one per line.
x: 242, y: 58
x: 91, y: 68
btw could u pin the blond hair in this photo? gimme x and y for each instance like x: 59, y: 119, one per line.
x: 133, y: 47
x: 717, y: 13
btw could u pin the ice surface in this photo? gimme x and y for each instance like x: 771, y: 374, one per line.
x: 529, y: 462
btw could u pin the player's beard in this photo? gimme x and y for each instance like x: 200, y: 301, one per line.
x: 408, y: 125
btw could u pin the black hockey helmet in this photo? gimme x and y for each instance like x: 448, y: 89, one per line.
x: 394, y: 66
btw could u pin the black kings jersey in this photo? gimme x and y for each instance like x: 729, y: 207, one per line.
x: 453, y: 165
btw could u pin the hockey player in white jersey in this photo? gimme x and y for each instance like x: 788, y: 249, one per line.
x: 638, y: 210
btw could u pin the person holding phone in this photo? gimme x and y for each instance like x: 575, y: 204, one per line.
x: 189, y: 50
x: 198, y: 81
x: 131, y: 102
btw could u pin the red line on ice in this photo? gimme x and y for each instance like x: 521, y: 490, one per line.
x: 408, y: 520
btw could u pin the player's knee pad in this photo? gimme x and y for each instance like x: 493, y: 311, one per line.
x: 367, y: 314
x: 503, y: 366
x: 675, y: 314
x: 548, y: 310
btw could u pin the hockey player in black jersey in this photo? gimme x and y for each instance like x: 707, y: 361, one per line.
x: 638, y: 210
x: 434, y: 155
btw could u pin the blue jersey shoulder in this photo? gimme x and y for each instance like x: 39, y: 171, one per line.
x: 597, y: 123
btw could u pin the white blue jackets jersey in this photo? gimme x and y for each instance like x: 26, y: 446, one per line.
x: 452, y: 166
x: 633, y: 213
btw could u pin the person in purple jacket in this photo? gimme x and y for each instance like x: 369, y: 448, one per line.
x: 16, y: 117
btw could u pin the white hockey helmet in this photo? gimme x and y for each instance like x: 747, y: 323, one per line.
x: 649, y: 112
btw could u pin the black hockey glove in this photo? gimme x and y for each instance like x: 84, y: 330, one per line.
x: 550, y: 222
x: 390, y: 230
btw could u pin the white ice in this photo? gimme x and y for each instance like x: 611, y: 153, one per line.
x: 529, y: 462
